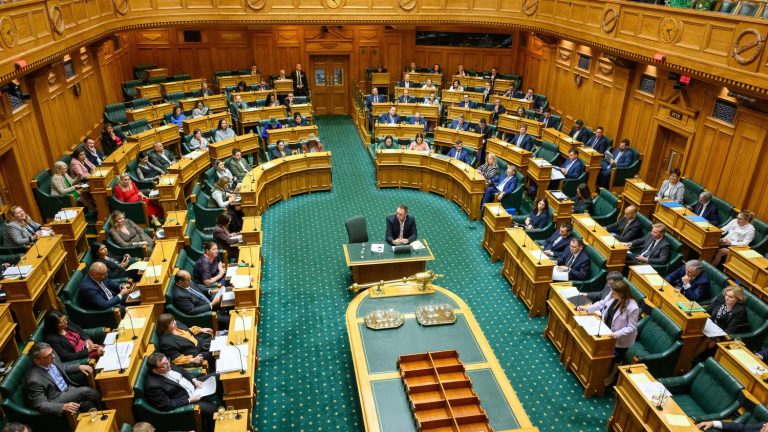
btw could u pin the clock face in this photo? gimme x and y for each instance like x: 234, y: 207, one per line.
x: 668, y: 30
x: 8, y: 31
x: 333, y: 3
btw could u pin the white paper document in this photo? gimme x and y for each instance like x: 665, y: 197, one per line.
x: 138, y: 322
x: 417, y: 245
x: 138, y: 265
x: 230, y: 359
x: 592, y: 324
x: 154, y: 271
x: 228, y: 296
x: 644, y: 269
x: 134, y: 295
x: 559, y: 195
x: 153, y: 193
x: 65, y: 215
x: 569, y: 292
x: 559, y: 276
x: 109, y: 361
x: 15, y: 271
x: 208, y: 388
x: 239, y: 323
x: 557, y: 174
x: 712, y: 330
x: 109, y: 338
x: 377, y: 247
x: 218, y: 343
x: 539, y: 255
x: 231, y: 271
x: 241, y: 281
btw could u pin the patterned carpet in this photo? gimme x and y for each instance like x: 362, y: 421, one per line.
x: 305, y: 376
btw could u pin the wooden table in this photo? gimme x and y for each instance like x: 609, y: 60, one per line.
x: 614, y: 251
x: 252, y: 233
x: 561, y: 209
x: 472, y: 115
x: 592, y: 163
x: 634, y: 412
x: 455, y: 97
x: 511, y: 124
x: 188, y: 168
x: 527, y: 269
x: 429, y: 112
x: 402, y: 131
x: 9, y: 349
x: 292, y: 134
x: 249, y: 264
x: 99, y: 186
x: 496, y: 220
x: 252, y: 95
x: 72, y: 232
x: 153, y: 286
x: 540, y: 171
x: 151, y: 92
x: 247, y: 144
x: 417, y: 92
x: 175, y: 226
x: 239, y: 388
x: 283, y: 178
x: 153, y: 114
x: 284, y: 86
x: 170, y: 193
x: 694, y: 231
x: 168, y: 135
x: 232, y: 80
x: 371, y: 266
x: 108, y: 424
x: 589, y: 357
x: 562, y: 140
x: 380, y: 79
x: 422, y: 77
x: 181, y: 86
x: 510, y: 153
x: 208, y: 122
x: 248, y: 118
x: 121, y: 157
x: 750, y: 267
x: 214, y: 103
x: 156, y: 73
x: 639, y: 194
x: 743, y: 364
x: 446, y: 137
x: 511, y: 103
x: 233, y: 424
x: 435, y: 173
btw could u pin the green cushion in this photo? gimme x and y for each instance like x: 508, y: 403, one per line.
x: 605, y: 207
x: 725, y: 210
x: 692, y: 191
x: 717, y: 280
x: 657, y: 343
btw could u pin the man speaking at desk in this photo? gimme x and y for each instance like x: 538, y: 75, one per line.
x: 401, y: 227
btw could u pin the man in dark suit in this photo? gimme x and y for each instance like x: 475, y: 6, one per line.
x: 204, y: 90
x: 374, y: 97
x: 417, y: 119
x: 391, y: 117
x: 597, y: 141
x: 264, y: 86
x: 691, y: 280
x: 654, y: 248
x: 522, y: 139
x: 466, y: 102
x: 578, y: 132
x: 500, y: 186
x: 459, y: 124
x: 546, y: 119
x: 487, y: 92
x: 493, y: 76
x: 731, y: 426
x: 573, y: 167
x: 193, y: 300
x: 406, y: 98
x: 498, y: 109
x: 49, y: 389
x: 160, y: 157
x: 557, y: 243
x: 407, y: 83
x: 706, y: 209
x: 458, y: 152
x: 482, y: 129
x: 300, y: 84
x: 401, y: 227
x: 628, y: 228
x: 93, y: 154
x: 574, y: 261
x: 99, y: 293
x: 619, y: 157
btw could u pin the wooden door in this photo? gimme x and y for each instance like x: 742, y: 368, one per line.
x: 673, y: 147
x: 330, y: 84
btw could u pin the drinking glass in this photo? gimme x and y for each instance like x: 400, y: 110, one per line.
x: 92, y: 413
x: 221, y: 411
x: 230, y: 412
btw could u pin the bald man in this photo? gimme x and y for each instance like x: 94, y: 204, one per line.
x: 191, y: 300
x: 97, y: 292
x: 628, y: 228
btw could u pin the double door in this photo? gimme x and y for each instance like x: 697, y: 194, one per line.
x: 330, y: 86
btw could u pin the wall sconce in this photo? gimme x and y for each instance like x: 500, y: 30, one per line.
x: 76, y: 89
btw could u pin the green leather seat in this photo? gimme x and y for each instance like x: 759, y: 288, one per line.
x: 596, y: 280
x: 196, y: 240
x: 125, y: 427
x: 760, y: 243
x: 357, y: 232
x: 140, y: 103
x: 49, y: 204
x: 138, y: 126
x: 513, y: 200
x: 135, y: 211
x: 174, y: 97
x: 724, y: 209
x: 183, y: 262
x: 706, y: 392
x: 538, y: 233
x: 620, y: 175
x: 692, y: 191
x: 85, y: 317
x: 758, y: 414
x: 300, y: 100
x: 182, y: 418
x: 606, y: 207
x: 129, y: 88
x: 675, y: 256
x: 717, y: 281
x: 757, y: 315
x: 115, y: 114
x: 140, y: 71
x: 568, y: 186
x: 158, y: 80
x: 658, y: 344
x: 547, y: 151
x: 144, y: 185
x: 182, y: 77
x: 135, y: 251
x: 646, y: 223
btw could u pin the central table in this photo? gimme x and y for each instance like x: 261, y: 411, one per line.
x: 375, y: 352
x: 375, y: 266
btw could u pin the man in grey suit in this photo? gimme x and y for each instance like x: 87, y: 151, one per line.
x: 50, y: 390
x: 160, y: 157
x: 22, y: 230
x: 653, y: 249
x: 238, y: 166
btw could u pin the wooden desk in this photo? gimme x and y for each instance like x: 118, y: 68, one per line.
x: 189, y: 167
x: 306, y: 109
x: 380, y: 79
x: 156, y: 73
x: 121, y: 157
x: 409, y: 109
x: 181, y: 86
x: 639, y: 194
x: 117, y: 388
x: 742, y: 363
x: 283, y: 178
x: 214, y: 103
x: 589, y: 357
x: 33, y: 296
x: 211, y: 121
x: 99, y: 187
x: 417, y: 92
x: 592, y: 162
x: 151, y: 92
x: 511, y: 104
x: 108, y: 424
x: 248, y: 118
x: 247, y: 144
x: 446, y: 137
x: 239, y: 388
x: 561, y: 209
x: 153, y: 114
x: 252, y: 233
x: 562, y: 140
x: 283, y: 86
x: 614, y: 252
x: 249, y: 297
x: 372, y: 266
x: 233, y: 424
x: 435, y: 173
x: 406, y: 131
x: 529, y: 275
x: 749, y: 267
x: 170, y: 193
x: 495, y: 220
x: 153, y: 286
x: 379, y: 108
x: 168, y: 135
x: 175, y: 226
x: 540, y: 171
x: 702, y: 237
x: 510, y: 153
x: 455, y: 97
x: 634, y: 412
x: 422, y: 77
x: 253, y: 95
x: 469, y: 81
x: 72, y: 232
x: 472, y: 115
x: 660, y: 294
x: 9, y: 349
x: 292, y: 134
x: 511, y: 124
x: 232, y: 80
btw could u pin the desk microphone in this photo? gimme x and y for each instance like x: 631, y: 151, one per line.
x: 149, y: 261
x: 117, y: 353
x: 599, y: 326
x: 690, y: 308
x: 18, y: 267
x: 133, y: 329
x: 177, y: 217
x: 660, y: 405
x: 239, y: 355
x: 250, y: 256
x: 162, y: 251
x: 578, y: 300
x: 242, y: 322
x: 613, y: 246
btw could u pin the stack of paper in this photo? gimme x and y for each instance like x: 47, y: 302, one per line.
x: 240, y: 323
x: 138, y: 323
x: 231, y: 271
x: 115, y: 356
x: 712, y: 330
x: 208, y: 388
x: 241, y: 281
x: 138, y: 265
x: 377, y: 247
x: 747, y: 360
x: 559, y: 195
x: 655, y: 280
x: 218, y: 343
x: 230, y: 359
x: 557, y: 174
x: 569, y: 292
x: 538, y: 255
x: 65, y: 215
x: 153, y: 193
x: 750, y: 253
x: 417, y: 245
x: 155, y: 271
x: 14, y: 272
x: 644, y: 269
x: 592, y: 324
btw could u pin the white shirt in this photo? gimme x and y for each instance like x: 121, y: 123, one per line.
x: 183, y: 382
x: 739, y: 235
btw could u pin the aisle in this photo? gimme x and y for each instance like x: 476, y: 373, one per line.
x: 305, y: 375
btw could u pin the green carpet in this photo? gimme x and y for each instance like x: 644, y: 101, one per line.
x: 306, y: 378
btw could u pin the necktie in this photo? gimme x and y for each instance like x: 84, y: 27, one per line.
x: 575, y: 134
x: 626, y: 225
x: 55, y: 373
x: 648, y: 251
x: 198, y: 294
x: 298, y: 77
x: 501, y: 185
x: 402, y: 228
x: 701, y: 212
x: 570, y: 261
x: 106, y: 290
x: 458, y: 154
x: 569, y: 166
x: 520, y: 140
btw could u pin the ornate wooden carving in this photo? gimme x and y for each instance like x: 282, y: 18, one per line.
x: 610, y: 19
x: 748, y: 46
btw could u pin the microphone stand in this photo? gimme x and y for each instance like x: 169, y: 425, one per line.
x: 578, y: 300
x: 239, y: 356
x: 133, y: 329
x: 242, y: 322
x: 149, y: 261
x: 117, y: 353
x: 162, y: 251
x: 690, y: 308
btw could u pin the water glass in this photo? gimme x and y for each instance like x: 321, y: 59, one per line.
x: 231, y: 412
x: 92, y: 413
x: 221, y: 411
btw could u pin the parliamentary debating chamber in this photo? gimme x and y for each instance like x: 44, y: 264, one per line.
x: 209, y: 215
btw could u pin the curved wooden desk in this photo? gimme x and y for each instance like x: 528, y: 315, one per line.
x: 283, y: 178
x: 440, y: 174
x: 383, y: 400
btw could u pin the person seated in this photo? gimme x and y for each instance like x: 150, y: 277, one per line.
x: 419, y: 120
x: 271, y: 101
x: 728, y: 311
x: 574, y: 261
x: 406, y: 82
x: 558, y: 242
x: 92, y: 153
x: 220, y: 170
x: 125, y: 190
x: 654, y: 248
x: 431, y: 100
x: 116, y: 267
x: 406, y: 98
x: 458, y: 152
x: 222, y: 199
x: 62, y: 184
x: 732, y: 426
x: 281, y: 76
x: 223, y: 131
x: 388, y: 144
x: 738, y: 232
x: 456, y: 86
x: 236, y: 105
x: 373, y: 98
x: 466, y: 102
x: 168, y: 387
x: 312, y: 145
x: 436, y: 69
x: 200, y: 110
x: 178, y: 117
x: 628, y: 228
x: 460, y: 71
x: 521, y: 112
x: 390, y: 117
x: 598, y: 141
x: 419, y: 144
x: 125, y: 233
x: 498, y: 109
x: 459, y: 124
x: 79, y: 165
x: 241, y: 87
x: 539, y: 216
x: 401, y: 227
x: 184, y: 346
x: 490, y: 168
x: 226, y: 240
x: 238, y: 166
x: 690, y: 280
x: 429, y: 85
x: 160, y: 157
x: 492, y: 76
x: 510, y: 91
x: 582, y: 202
x: 573, y: 167
x: 706, y: 209
x: 209, y: 269
x: 263, y: 86
x: 298, y: 120
x: 671, y: 188
x: 546, y: 119
x: 530, y: 95
x: 53, y: 388
x: 522, y: 139
x: 145, y: 170
x: 204, y: 90
x: 21, y: 229
x: 111, y: 138
x: 289, y: 102
x: 487, y: 92
x: 194, y: 300
x: 500, y: 186
x: 619, y: 157
x: 272, y: 125
x: 578, y: 132
x: 279, y: 151
x: 98, y: 293
x: 68, y: 339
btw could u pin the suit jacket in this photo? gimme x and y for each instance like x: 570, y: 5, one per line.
x: 275, y: 153
x: 422, y: 121
x: 59, y: 185
x: 711, y: 213
x: 224, y: 241
x: 464, y: 156
x: 96, y: 158
x: 455, y: 125
x: 236, y: 168
x: 626, y: 231
x: 509, y: 187
x: 676, y: 192
x: 188, y: 303
x: 660, y: 253
x: 624, y: 325
x: 538, y: 221
x: 583, y: 205
x: 16, y: 235
x: 92, y: 297
x: 385, y: 118
x: 527, y: 143
x: 579, y: 269
x: 63, y: 347
x: 304, y: 81
x: 409, y: 228
x: 40, y: 388
x: 732, y: 322
x: 370, y: 99
x: 560, y: 247
x: 158, y: 161
x: 411, y: 84
x: 174, y: 346
x: 598, y: 144
x: 583, y: 134
x: 408, y: 99
x: 166, y: 394
x: 497, y: 113
x: 575, y: 169
x: 738, y: 427
x: 470, y: 104
x: 699, y: 289
x: 548, y: 122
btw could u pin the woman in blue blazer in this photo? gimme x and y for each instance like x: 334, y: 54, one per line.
x: 539, y: 216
